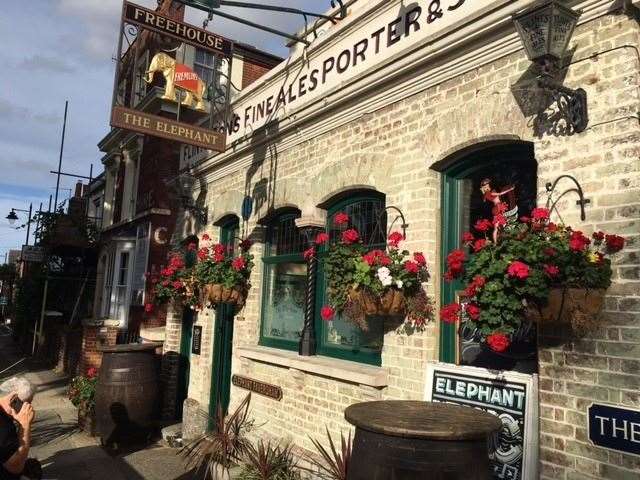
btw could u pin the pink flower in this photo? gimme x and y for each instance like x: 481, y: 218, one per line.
x: 238, y: 263
x: 518, y: 270
x: 395, y: 238
x: 341, y: 218
x: 327, y: 313
x: 449, y: 313
x: 498, y: 342
x: 551, y: 270
x: 322, y: 238
x: 350, y: 236
x: 540, y: 214
x: 411, y: 267
x: 419, y: 258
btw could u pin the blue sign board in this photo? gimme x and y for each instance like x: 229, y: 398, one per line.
x: 615, y: 428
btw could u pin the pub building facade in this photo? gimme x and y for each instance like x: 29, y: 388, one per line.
x: 412, y: 106
x: 137, y: 208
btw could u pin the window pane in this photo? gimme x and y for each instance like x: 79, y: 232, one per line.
x: 285, y: 238
x: 342, y: 334
x: 283, y: 315
x: 366, y: 216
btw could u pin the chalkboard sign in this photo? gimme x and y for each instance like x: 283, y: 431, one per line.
x: 511, y: 396
x: 196, y: 341
x: 615, y: 428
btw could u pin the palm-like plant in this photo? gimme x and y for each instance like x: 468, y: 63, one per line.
x: 217, y: 451
x: 267, y: 461
x: 333, y: 464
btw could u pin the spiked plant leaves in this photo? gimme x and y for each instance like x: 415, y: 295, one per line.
x: 333, y: 465
x: 217, y: 451
x: 267, y: 461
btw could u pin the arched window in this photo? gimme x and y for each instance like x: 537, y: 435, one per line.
x: 340, y: 338
x: 285, y: 282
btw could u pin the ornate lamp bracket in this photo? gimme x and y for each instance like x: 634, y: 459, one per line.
x: 572, y: 104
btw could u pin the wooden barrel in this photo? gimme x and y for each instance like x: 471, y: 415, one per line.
x: 126, y: 393
x: 410, y: 440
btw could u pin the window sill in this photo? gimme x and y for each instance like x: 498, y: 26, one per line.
x: 329, y: 367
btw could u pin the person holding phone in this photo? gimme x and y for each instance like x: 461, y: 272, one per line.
x: 16, y: 418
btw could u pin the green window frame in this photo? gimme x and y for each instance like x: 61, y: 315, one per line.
x: 363, y: 210
x: 285, y: 245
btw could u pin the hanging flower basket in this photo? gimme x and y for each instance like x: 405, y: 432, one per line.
x: 390, y: 303
x: 577, y: 307
x: 217, y: 293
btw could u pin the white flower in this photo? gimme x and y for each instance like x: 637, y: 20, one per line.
x: 383, y: 272
x: 399, y: 284
x: 386, y: 281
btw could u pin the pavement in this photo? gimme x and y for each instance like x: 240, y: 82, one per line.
x: 67, y: 453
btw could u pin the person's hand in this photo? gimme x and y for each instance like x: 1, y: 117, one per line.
x: 25, y: 416
x: 5, y: 403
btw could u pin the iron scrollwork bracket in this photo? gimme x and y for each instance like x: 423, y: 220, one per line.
x: 572, y: 104
x: 582, y: 202
x: 383, y: 218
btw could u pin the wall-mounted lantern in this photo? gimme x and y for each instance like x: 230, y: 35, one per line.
x: 545, y: 30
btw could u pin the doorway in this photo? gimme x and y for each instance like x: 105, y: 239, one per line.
x: 505, y: 165
x: 223, y: 335
x: 184, y: 362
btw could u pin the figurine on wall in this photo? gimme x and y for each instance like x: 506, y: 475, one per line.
x: 507, y: 207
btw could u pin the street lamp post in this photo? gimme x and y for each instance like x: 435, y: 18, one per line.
x: 12, y: 217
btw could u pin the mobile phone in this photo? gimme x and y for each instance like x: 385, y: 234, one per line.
x: 16, y: 404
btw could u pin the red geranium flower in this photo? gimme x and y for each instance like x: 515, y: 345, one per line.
x: 203, y: 253
x: 615, y: 243
x: 551, y: 270
x: 238, y: 263
x: 525, y: 219
x: 218, y: 257
x: 468, y: 237
x: 499, y: 220
x: 449, y: 313
x: 206, y: 237
x: 419, y: 258
x: 166, y: 283
x: 309, y: 253
x: 395, y: 238
x: 483, y: 225
x: 176, y: 261
x: 376, y: 257
x: 470, y: 291
x: 472, y: 310
x: 350, y: 236
x: 219, y: 249
x: 177, y: 284
x: 540, y: 214
x: 456, y: 257
x: 411, y: 267
x: 479, y: 244
x: 449, y: 276
x: 341, y: 218
x: 92, y: 372
x: 550, y: 252
x: 551, y: 227
x: 598, y: 236
x: 192, y: 247
x: 327, y: 313
x: 498, y: 342
x: 322, y: 238
x: 518, y: 270
x: 479, y: 281
x: 578, y: 242
x: 148, y: 307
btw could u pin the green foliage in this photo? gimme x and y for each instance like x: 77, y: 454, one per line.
x: 82, y: 390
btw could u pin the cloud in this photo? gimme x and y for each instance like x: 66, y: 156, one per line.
x: 46, y: 64
x: 10, y: 113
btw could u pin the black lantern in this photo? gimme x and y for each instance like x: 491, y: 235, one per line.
x: 12, y: 217
x: 545, y: 30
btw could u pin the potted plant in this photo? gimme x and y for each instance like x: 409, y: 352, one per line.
x: 81, y: 392
x: 533, y: 270
x: 366, y: 282
x: 223, y: 277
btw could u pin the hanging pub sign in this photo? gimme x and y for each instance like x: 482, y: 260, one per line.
x: 615, y: 428
x: 511, y: 396
x: 182, y: 85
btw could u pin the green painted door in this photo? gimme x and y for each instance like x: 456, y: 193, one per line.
x: 222, y: 340
x: 185, y: 362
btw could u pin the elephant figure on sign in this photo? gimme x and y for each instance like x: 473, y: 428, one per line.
x: 165, y: 64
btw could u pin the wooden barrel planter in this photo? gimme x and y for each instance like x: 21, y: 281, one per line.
x: 127, y: 393
x: 411, y: 440
x: 575, y: 307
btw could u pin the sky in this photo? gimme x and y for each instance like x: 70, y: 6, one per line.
x: 57, y: 50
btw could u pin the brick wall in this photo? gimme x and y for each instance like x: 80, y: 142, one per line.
x: 252, y: 72
x: 391, y: 149
x: 92, y: 337
x: 171, y: 360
